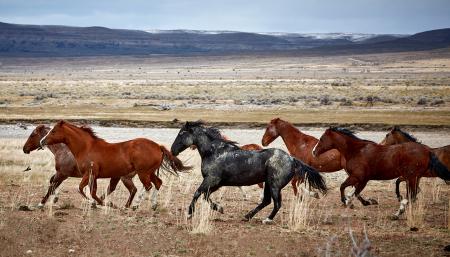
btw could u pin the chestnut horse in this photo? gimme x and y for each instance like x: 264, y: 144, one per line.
x: 367, y: 160
x: 97, y: 158
x: 398, y: 136
x: 65, y: 165
x: 300, y: 145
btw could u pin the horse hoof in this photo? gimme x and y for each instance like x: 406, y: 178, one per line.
x: 93, y: 205
x: 246, y: 218
x: 189, y: 216
x: 267, y: 221
x: 40, y: 206
x: 316, y: 195
x: 55, y: 200
x: 134, y: 207
x: 154, y: 207
x: 350, y: 206
x: 220, y: 209
x: 373, y: 201
x: 394, y: 217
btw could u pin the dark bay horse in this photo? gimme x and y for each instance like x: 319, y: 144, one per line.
x: 65, y: 165
x: 398, y: 136
x: 300, y: 145
x: 367, y: 160
x: 97, y: 158
x: 225, y: 164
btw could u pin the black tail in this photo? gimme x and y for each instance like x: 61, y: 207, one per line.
x: 438, y: 168
x: 312, y: 176
x: 171, y: 163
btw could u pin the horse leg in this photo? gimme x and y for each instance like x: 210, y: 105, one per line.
x: 264, y: 202
x: 147, y: 183
x: 157, y: 182
x: 359, y: 188
x: 83, y: 183
x: 111, y: 187
x: 350, y: 181
x: 397, y: 188
x: 276, y: 196
x: 55, y: 181
x: 205, y: 186
x: 411, y: 193
x: 214, y: 206
x: 294, y: 183
x: 128, y: 182
x: 94, y: 191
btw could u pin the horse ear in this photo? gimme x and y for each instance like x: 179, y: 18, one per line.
x: 60, y: 123
x: 395, y: 128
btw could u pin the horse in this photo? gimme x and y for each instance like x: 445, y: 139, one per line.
x: 367, y: 160
x: 97, y: 158
x: 398, y: 136
x: 252, y: 147
x: 300, y: 145
x: 65, y: 165
x: 223, y: 163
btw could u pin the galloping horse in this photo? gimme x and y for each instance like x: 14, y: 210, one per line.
x: 97, y: 158
x: 300, y: 145
x: 367, y: 160
x: 65, y: 165
x: 398, y: 136
x: 225, y: 164
x: 251, y: 147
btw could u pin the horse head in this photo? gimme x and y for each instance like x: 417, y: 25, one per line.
x: 185, y: 138
x: 324, y: 144
x: 55, y: 135
x: 271, y: 132
x: 33, y: 141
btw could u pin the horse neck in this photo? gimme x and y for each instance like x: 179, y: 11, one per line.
x: 204, y: 145
x: 56, y: 148
x: 78, y: 141
x: 347, y: 145
x: 291, y: 135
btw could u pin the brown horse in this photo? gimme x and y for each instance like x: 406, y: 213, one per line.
x: 97, y: 158
x: 367, y: 160
x: 300, y: 145
x: 398, y: 136
x: 65, y: 165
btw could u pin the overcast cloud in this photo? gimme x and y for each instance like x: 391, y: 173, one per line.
x: 367, y: 16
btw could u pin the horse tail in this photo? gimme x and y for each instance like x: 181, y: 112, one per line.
x: 439, y: 169
x: 171, y: 163
x: 312, y: 176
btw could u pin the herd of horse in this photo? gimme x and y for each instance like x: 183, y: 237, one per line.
x: 80, y: 153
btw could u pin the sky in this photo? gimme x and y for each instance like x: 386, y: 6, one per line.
x: 303, y: 16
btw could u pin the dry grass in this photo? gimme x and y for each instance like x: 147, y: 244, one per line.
x: 300, y: 213
x: 202, y: 220
x: 415, y: 213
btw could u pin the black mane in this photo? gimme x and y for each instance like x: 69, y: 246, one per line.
x: 348, y: 132
x: 212, y: 132
x: 406, y: 134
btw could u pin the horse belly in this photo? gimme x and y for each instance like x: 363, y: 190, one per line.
x: 244, y: 174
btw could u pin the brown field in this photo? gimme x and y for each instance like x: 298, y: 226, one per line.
x: 70, y: 227
x: 406, y: 88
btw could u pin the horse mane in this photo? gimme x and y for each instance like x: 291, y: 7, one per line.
x: 86, y: 129
x: 405, y: 134
x: 349, y: 133
x: 212, y: 132
x: 90, y: 131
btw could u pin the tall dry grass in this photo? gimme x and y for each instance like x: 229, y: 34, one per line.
x: 300, y: 214
x: 202, y: 220
x: 415, y: 213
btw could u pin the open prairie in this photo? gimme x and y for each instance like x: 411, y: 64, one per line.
x: 399, y: 88
x: 71, y: 227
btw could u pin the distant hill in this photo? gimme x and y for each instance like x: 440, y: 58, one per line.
x: 37, y: 40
